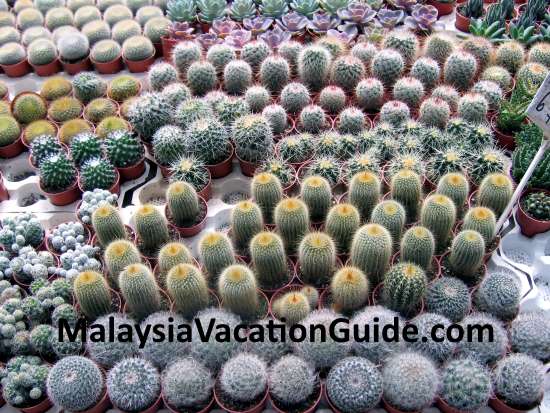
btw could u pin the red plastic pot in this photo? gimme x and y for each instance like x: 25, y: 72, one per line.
x: 129, y: 173
x: 222, y: 168
x: 47, y: 69
x: 13, y: 149
x: 41, y: 407
x: 247, y: 168
x: 193, y: 230
x: 107, y: 68
x: 445, y: 408
x: 391, y: 409
x: 259, y: 407
x: 530, y: 226
x: 66, y: 197
x: 206, y: 409
x: 499, y: 406
x: 4, y: 195
x: 139, y: 66
x: 154, y: 407
x: 168, y: 44
x: 443, y: 9
x: 17, y: 70
x: 462, y: 23
x: 74, y: 68
x: 310, y: 409
x: 206, y: 192
x: 101, y: 406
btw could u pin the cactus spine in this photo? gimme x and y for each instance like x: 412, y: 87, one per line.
x: 187, y: 287
x: 317, y: 257
x: 404, y: 287
x: 371, y: 251
x: 139, y: 288
x: 92, y: 294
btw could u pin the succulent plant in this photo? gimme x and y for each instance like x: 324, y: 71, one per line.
x: 498, y: 294
x: 216, y: 252
x: 19, y: 231
x: 24, y: 380
x: 495, y: 192
x: 151, y: 228
x: 73, y: 48
x: 266, y: 191
x: 459, y: 69
x: 97, y: 173
x: 137, y: 48
x: 57, y: 173
x: 167, y: 352
x: 187, y: 384
x: 427, y: 71
x: 395, y: 113
x: 87, y: 86
x: 518, y: 380
x: 92, y: 294
x: 237, y: 77
x: 433, y: 344
x: 253, y: 138
x: 387, y: 65
x: 465, y: 385
x: 317, y: 256
x: 488, y: 343
x: 119, y: 254
x: 123, y: 148
x: 371, y: 250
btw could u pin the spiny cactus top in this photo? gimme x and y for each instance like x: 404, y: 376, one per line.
x: 243, y: 378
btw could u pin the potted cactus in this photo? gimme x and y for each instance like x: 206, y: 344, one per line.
x: 74, y: 51
x: 533, y: 213
x: 466, y: 11
x: 106, y: 56
x: 42, y: 55
x: 98, y: 173
x: 138, y: 53
x: 13, y: 60
x: 11, y: 143
x: 58, y: 179
x: 444, y: 7
x: 184, y: 209
x: 126, y: 154
x: 253, y: 142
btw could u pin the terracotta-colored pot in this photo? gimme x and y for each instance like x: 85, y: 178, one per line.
x: 47, y: 69
x: 139, y: 66
x: 101, y: 406
x: 462, y: 23
x: 499, y: 406
x: 259, y: 407
x: 309, y: 409
x: 114, y: 189
x: 206, y: 192
x: 193, y: 230
x: 158, y: 49
x: 154, y: 407
x: 66, y: 197
x: 222, y: 168
x: 4, y: 194
x: 13, y: 149
x: 107, y: 68
x: 391, y: 409
x: 17, y: 70
x: 80, y: 66
x: 168, y: 45
x: 247, y: 168
x: 41, y: 407
x: 530, y: 226
x: 443, y: 9
x: 171, y: 409
x: 129, y: 173
x: 445, y: 408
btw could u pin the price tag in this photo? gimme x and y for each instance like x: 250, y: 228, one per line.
x: 539, y: 109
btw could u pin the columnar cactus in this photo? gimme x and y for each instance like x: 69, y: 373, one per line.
x: 371, y: 251
x: 467, y: 251
x: 169, y: 256
x: 269, y: 259
x: 418, y: 247
x: 107, y: 224
x: 183, y: 203
x: 349, y: 289
x: 495, y: 192
x: 313, y: 66
x: 459, y: 70
x: 364, y: 193
x: 267, y: 192
x: 118, y: 255
x: 317, y: 257
x: 216, y: 253
x: 316, y: 193
x: 293, y: 307
x: 92, y: 294
x: 188, y: 289
x: 246, y: 221
x: 499, y: 294
x: 404, y: 286
x: 387, y: 65
x: 438, y: 214
x: 482, y: 220
x: 392, y: 216
x: 406, y: 189
x: 140, y: 290
x: 151, y: 228
x: 456, y: 187
x: 342, y: 222
x: 292, y: 220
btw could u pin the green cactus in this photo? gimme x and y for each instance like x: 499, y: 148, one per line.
x: 41, y: 51
x: 405, y: 42
x: 332, y: 99
x: 466, y: 257
x: 118, y: 255
x: 539, y: 53
x: 473, y: 107
x: 151, y: 228
x: 364, y: 193
x: 257, y: 97
x: 317, y: 258
x: 274, y: 73
x: 107, y: 224
x: 371, y: 250
x: 9, y: 130
x: 291, y: 217
x: 188, y: 288
x: 404, y: 287
x: 351, y: 120
x: 342, y: 222
x: 220, y: 55
x: 449, y: 297
x: 57, y: 173
x: 255, y: 52
x: 246, y: 222
x: 28, y: 107
x: 269, y: 261
x: 92, y: 294
x: 98, y: 30
x: 482, y: 220
x: 238, y: 290
x: 418, y: 247
x: 237, y: 77
x: 455, y: 186
x: 434, y: 112
x: 313, y: 66
x: 439, y: 46
x: 294, y: 97
x: 201, y: 77
x: 392, y: 216
x: 495, y: 192
x: 427, y: 71
x: 140, y: 291
x: 499, y: 75
x: 438, y: 214
x: 395, y: 113
x: 406, y: 188
x: 349, y: 289
x: 216, y: 253
x: 347, y: 71
x: 387, y: 65
x: 293, y: 307
x: 137, y: 48
x: 408, y: 90
x: 510, y: 55
x: 459, y: 70
x: 266, y: 191
x: 125, y: 86
x: 170, y: 255
x: 313, y: 119
x: 97, y: 173
x: 316, y: 193
x: 253, y: 138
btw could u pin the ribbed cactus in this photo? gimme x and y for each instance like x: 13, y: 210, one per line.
x: 371, y: 251
x: 316, y: 193
x: 369, y: 94
x: 473, y: 107
x: 349, y: 289
x: 238, y: 291
x: 438, y: 214
x: 107, y: 224
x: 482, y: 220
x: 216, y: 253
x: 341, y: 223
x: 266, y: 191
x: 92, y: 294
x: 406, y: 188
x: 313, y: 66
x: 347, y: 71
x: 530, y: 334
x: 169, y: 256
x: 495, y: 192
x: 387, y: 65
x: 269, y: 262
x: 317, y: 257
x: 499, y: 294
x: 183, y: 203
x: 188, y: 289
x: 313, y: 119
x: 151, y: 228
x: 392, y: 216
x: 459, y: 70
x: 201, y: 77
x: 418, y: 247
x: 364, y: 193
x: 466, y: 258
x: 448, y: 296
x: 404, y: 287
x: 455, y: 186
x: 140, y: 290
x: 292, y: 221
x: 246, y: 221
x: 293, y: 306
x: 118, y: 255
x: 257, y: 97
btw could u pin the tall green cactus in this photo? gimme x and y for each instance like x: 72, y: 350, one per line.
x: 438, y: 214
x: 266, y: 191
x: 246, y: 221
x: 342, y: 222
x: 140, y: 290
x: 107, y: 224
x: 267, y: 253
x: 183, y: 203
x: 466, y: 257
x: 292, y: 221
x: 404, y: 286
x: 418, y: 247
x: 371, y: 250
x: 455, y: 186
x: 316, y: 193
x: 118, y: 255
x: 92, y: 294
x: 238, y: 290
x: 170, y: 255
x: 151, y: 228
x: 392, y: 216
x: 216, y: 253
x: 406, y: 188
x: 317, y: 257
x: 349, y: 289
x: 188, y: 289
x: 364, y: 193
x: 495, y: 192
x: 482, y: 220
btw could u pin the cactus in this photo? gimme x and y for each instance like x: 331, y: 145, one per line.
x: 418, y: 247
x: 292, y: 381
x: 246, y: 222
x: 438, y: 214
x: 107, y: 224
x: 97, y: 31
x: 161, y: 75
x: 28, y: 107
x: 220, y: 55
x: 449, y: 297
x: 41, y: 52
x: 316, y: 193
x: 435, y: 112
x: 351, y: 120
x: 254, y: 53
x: 294, y: 97
x: 168, y: 144
x: 73, y: 48
x: 317, y: 257
x: 371, y: 251
x: 228, y: 109
x: 406, y: 189
x: 456, y: 187
x: 326, y: 167
x: 118, y: 255
x: 44, y: 146
x: 529, y: 334
x: 495, y: 192
x: 140, y: 291
x: 439, y: 46
x: 290, y: 50
x: 433, y: 344
x: 276, y: 117
x: 491, y: 91
x: 85, y: 15
x: 243, y: 379
x: 387, y: 65
x: 364, y: 193
x: 395, y: 113
x: 510, y: 55
x: 125, y: 86
x: 312, y: 119
x: 518, y: 381
x: 266, y: 191
x: 292, y: 307
x: 404, y: 287
x: 100, y: 108
x: 467, y: 251
x: 257, y: 98
x: 482, y: 220
x: 187, y: 384
x: 539, y: 53
x: 92, y: 294
x: 274, y: 73
x: 342, y: 222
x: 124, y: 30
x: 427, y: 71
x: 97, y: 173
x: 137, y: 48
x: 332, y: 99
x: 408, y: 90
x: 499, y: 75
x: 313, y: 66
x: 485, y: 346
x: 347, y: 71
x: 448, y: 94
x: 149, y: 113
x: 291, y: 217
x: 465, y: 385
x: 216, y: 254
x: 183, y: 203
x: 369, y: 94
x: 37, y: 129
x: 85, y: 147
x: 269, y: 260
x: 411, y: 381
x: 58, y: 17
x: 349, y: 289
x: 87, y: 86
x: 122, y: 147
x: 296, y: 148
x: 12, y: 53
x: 459, y: 70
x: 151, y: 228
x: 473, y: 107
x: 405, y: 42
x: 499, y: 294
x: 392, y: 216
x: 188, y: 288
x: 237, y: 77
x: 57, y: 173
x: 169, y: 256
x: 201, y: 77
x: 253, y: 138
x: 184, y: 54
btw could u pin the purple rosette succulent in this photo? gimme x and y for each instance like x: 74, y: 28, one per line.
x: 292, y: 22
x: 423, y: 19
x: 321, y: 22
x: 407, y: 5
x: 275, y: 37
x: 357, y: 13
x: 390, y: 18
x: 343, y: 36
x: 181, y: 31
x: 207, y: 40
x: 222, y: 27
x: 257, y: 24
x: 238, y: 38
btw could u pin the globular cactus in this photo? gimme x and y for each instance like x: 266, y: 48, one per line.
x: 405, y: 42
x: 481, y: 48
x: 317, y: 257
x: 184, y: 54
x: 276, y: 117
x: 140, y: 290
x: 434, y: 112
x: 510, y: 55
x: 411, y: 381
x: 220, y: 55
x: 473, y: 107
x: 257, y: 97
x: 387, y: 65
x: 539, y: 53
x: 465, y: 385
x: 332, y: 99
x: 183, y: 203
x: 347, y: 71
x: 491, y: 91
x: 151, y: 228
x: 364, y: 193
x: 489, y: 341
x: 495, y: 192
x: 216, y: 253
x: 137, y: 48
x: 246, y: 221
x: 371, y: 251
x: 466, y: 257
x: 455, y: 186
x: 107, y: 224
x: 459, y: 70
x: 254, y: 53
x: 433, y: 343
x: 274, y: 73
x: 418, y: 247
x: 364, y: 51
x: 92, y: 294
x: 351, y: 120
x: 406, y: 189
x: 392, y: 216
x: 188, y: 288
x: 439, y: 46
x: 499, y: 75
x: 170, y: 255
x: 291, y: 217
x: 187, y: 384
x: 294, y: 97
x: 482, y: 220
x: 118, y: 255
x: 447, y: 93
x: 316, y: 193
x: 427, y: 71
x: 237, y: 77
x: 408, y: 90
x: 293, y: 307
x: 341, y: 223
x: 395, y: 113
x: 268, y: 258
x: 369, y: 94
x: 314, y: 66
x: 349, y: 289
x: 354, y: 384
x: 448, y: 296
x: 201, y: 77
x: 312, y: 119
x: 269, y: 350
x: 498, y: 294
x: 253, y: 138
x: 404, y: 287
x: 266, y: 192
x: 438, y: 214
x: 530, y: 334
x: 161, y: 75
x: 292, y: 381
x: 243, y: 378
x: 290, y: 50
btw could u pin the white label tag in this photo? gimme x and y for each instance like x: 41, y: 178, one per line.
x: 539, y: 109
